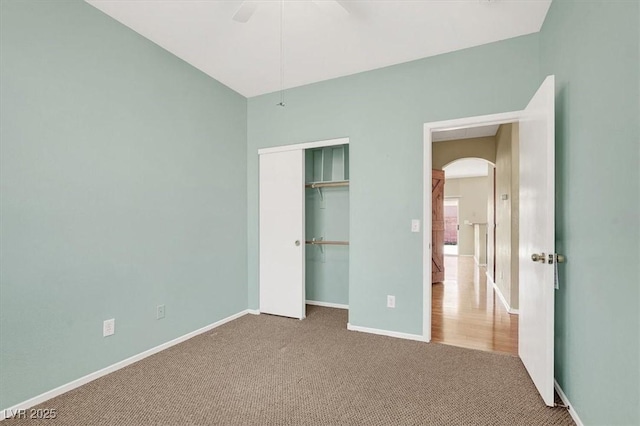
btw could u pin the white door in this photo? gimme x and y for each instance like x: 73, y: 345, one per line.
x: 537, y: 238
x: 282, y: 234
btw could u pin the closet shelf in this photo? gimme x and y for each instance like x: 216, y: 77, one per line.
x: 333, y: 184
x: 324, y: 243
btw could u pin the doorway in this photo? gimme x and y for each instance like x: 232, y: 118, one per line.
x: 537, y: 259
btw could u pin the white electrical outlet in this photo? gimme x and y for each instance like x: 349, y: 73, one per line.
x: 108, y: 327
x: 160, y: 312
x: 415, y: 225
x: 391, y: 301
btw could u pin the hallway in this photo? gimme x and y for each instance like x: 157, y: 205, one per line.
x: 467, y: 312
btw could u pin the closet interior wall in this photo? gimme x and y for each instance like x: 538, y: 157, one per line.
x: 327, y: 219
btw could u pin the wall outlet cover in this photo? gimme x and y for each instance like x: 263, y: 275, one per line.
x: 391, y: 301
x: 160, y: 310
x: 108, y: 327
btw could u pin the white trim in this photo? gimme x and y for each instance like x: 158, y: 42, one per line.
x: 565, y: 400
x: 253, y: 311
x: 388, y: 333
x: 501, y: 296
x: 114, y: 367
x: 427, y: 165
x: 479, y: 120
x: 465, y: 175
x: 327, y: 304
x: 306, y: 145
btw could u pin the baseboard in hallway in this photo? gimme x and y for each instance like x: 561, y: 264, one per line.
x: 501, y: 296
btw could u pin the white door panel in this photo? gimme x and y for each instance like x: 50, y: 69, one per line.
x: 537, y: 236
x: 282, y: 239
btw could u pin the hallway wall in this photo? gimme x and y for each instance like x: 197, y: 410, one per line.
x: 472, y: 207
x: 507, y: 212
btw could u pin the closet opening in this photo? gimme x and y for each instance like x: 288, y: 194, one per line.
x: 327, y: 227
x: 304, y: 230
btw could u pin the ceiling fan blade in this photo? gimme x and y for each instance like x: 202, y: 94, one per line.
x: 245, y: 11
x: 333, y: 7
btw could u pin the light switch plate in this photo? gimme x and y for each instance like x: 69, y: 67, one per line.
x: 415, y: 225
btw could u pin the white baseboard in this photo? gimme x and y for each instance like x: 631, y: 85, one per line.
x: 5, y: 413
x: 380, y: 332
x: 327, y: 304
x: 501, y: 297
x: 565, y: 400
x: 253, y: 311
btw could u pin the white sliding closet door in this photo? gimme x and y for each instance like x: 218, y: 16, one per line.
x: 282, y: 242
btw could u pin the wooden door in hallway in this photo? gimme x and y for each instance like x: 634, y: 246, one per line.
x: 437, y: 226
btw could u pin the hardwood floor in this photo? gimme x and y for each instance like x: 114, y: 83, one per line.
x: 467, y: 312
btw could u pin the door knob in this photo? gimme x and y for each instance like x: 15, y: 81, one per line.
x: 538, y: 257
x: 297, y: 243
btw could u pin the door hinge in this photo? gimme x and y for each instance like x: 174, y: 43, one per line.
x: 557, y: 258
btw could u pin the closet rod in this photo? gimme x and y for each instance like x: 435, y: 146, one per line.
x: 327, y: 184
x: 335, y: 243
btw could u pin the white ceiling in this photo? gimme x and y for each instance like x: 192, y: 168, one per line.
x: 318, y: 44
x: 467, y: 167
x: 466, y: 133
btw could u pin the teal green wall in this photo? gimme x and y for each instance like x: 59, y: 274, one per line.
x: 593, y: 49
x: 383, y: 112
x: 123, y: 173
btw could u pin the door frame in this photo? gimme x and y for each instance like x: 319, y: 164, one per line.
x: 304, y: 145
x: 458, y: 123
x: 297, y: 147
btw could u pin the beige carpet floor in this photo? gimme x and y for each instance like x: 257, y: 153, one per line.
x: 266, y: 370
